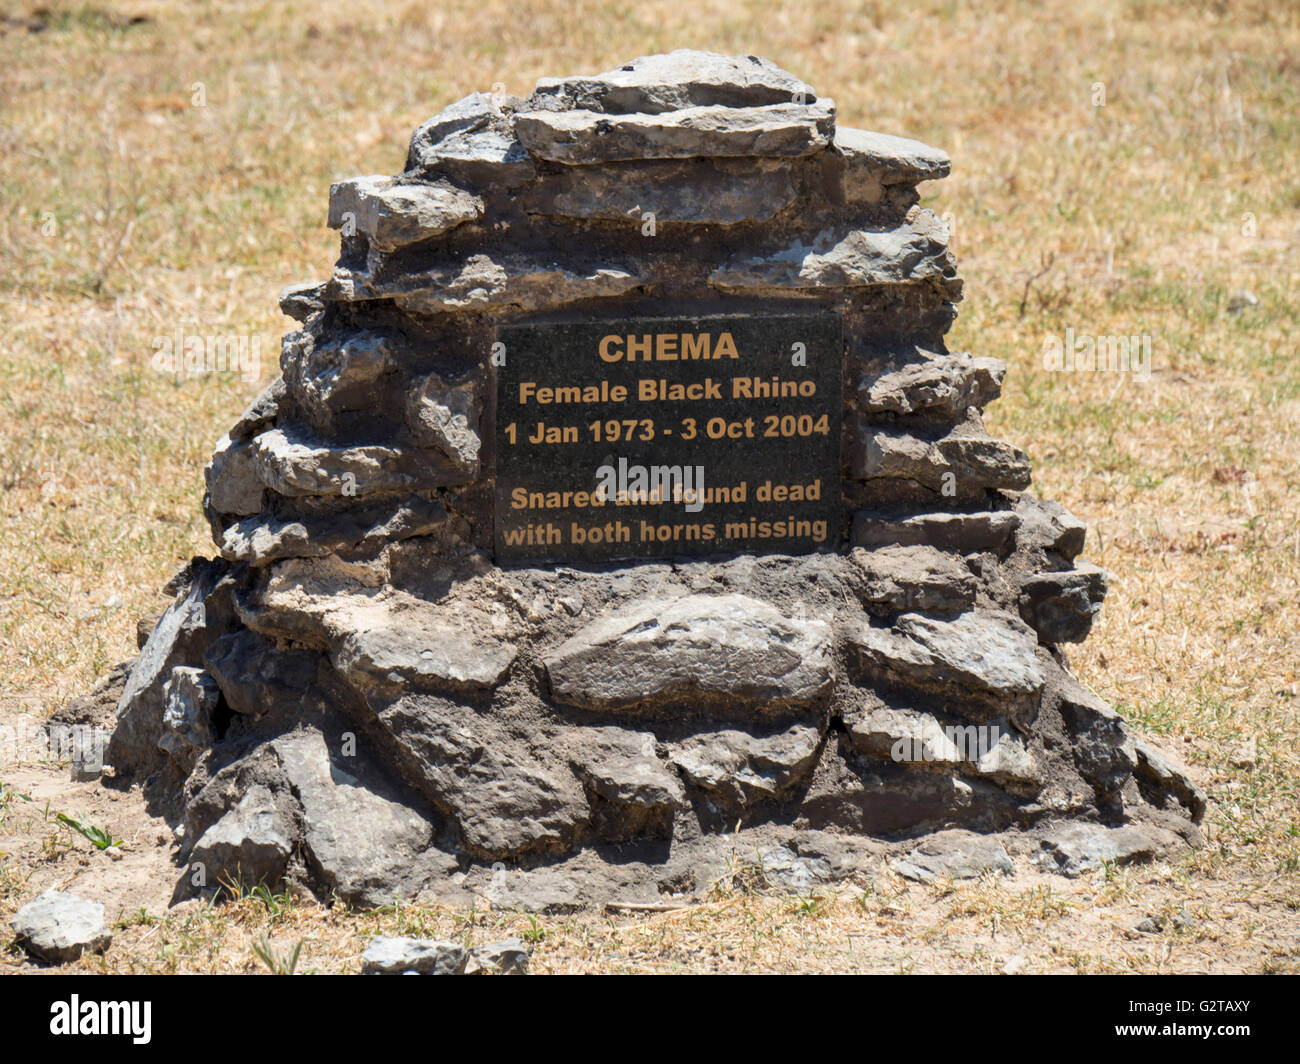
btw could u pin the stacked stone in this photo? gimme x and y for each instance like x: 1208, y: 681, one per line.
x: 354, y: 694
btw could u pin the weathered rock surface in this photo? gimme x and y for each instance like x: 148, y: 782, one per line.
x: 920, y: 578
x: 507, y: 957
x: 954, y: 855
x: 887, y: 159
x: 965, y: 532
x: 738, y: 769
x: 720, y: 647
x: 363, y: 844
x: 977, y: 653
x: 190, y: 698
x: 1074, y: 849
x: 401, y: 956
x: 653, y: 84
x: 946, y: 384
x: 1061, y: 606
x: 579, y: 138
x: 913, y: 252
x: 57, y: 927
x: 251, y: 844
x: 392, y: 213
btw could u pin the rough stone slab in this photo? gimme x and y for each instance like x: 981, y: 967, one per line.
x: 250, y: 844
x: 399, y: 956
x: 1048, y: 526
x: 300, y: 301
x: 190, y: 697
x: 691, y: 191
x: 1077, y: 848
x: 685, y: 78
x: 393, y: 213
x: 262, y: 540
x: 481, y: 282
x: 1169, y: 777
x: 57, y: 927
x: 739, y: 769
x: 363, y: 844
x: 946, y: 385
x: 966, y: 533
x: 624, y: 769
x: 261, y: 413
x: 337, y: 373
x: 920, y: 578
x: 1062, y: 606
x: 1103, y: 751
x: 886, y: 732
x: 887, y: 159
x: 296, y: 465
x: 507, y: 957
x: 472, y: 142
x: 187, y: 624
x: 958, y: 465
x: 445, y: 416
x: 729, y: 647
x: 977, y: 652
x: 954, y: 855
x: 233, y: 484
x: 579, y: 138
x: 412, y: 653
x: 256, y: 676
x: 504, y: 799
x: 914, y: 252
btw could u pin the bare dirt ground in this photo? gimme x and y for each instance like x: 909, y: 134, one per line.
x: 1120, y: 167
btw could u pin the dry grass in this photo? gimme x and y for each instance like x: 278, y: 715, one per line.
x: 127, y: 212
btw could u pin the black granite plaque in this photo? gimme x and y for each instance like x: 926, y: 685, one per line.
x: 652, y: 437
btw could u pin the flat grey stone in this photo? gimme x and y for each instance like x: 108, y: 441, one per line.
x: 421, y: 655
x: 690, y: 191
x: 57, y: 927
x: 445, y: 416
x: 585, y: 137
x: 958, y: 465
x: 954, y: 855
x: 472, y: 142
x: 363, y: 844
x: 941, y: 384
x: 1077, y: 848
x: 250, y: 844
x: 507, y: 957
x: 1062, y: 606
x: 976, y: 652
x: 887, y: 159
x: 399, y: 956
x: 503, y: 796
x: 914, y: 252
x: 233, y: 484
x: 481, y: 282
x: 966, y: 533
x: 1048, y: 526
x: 738, y: 768
x: 190, y: 697
x: 393, y: 213
x: 262, y: 412
x: 899, y: 579
x: 301, y: 301
x: 685, y: 78
x: 1169, y: 776
x: 295, y: 466
x: 729, y: 647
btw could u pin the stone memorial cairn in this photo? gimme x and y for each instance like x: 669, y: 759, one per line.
x: 356, y: 697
